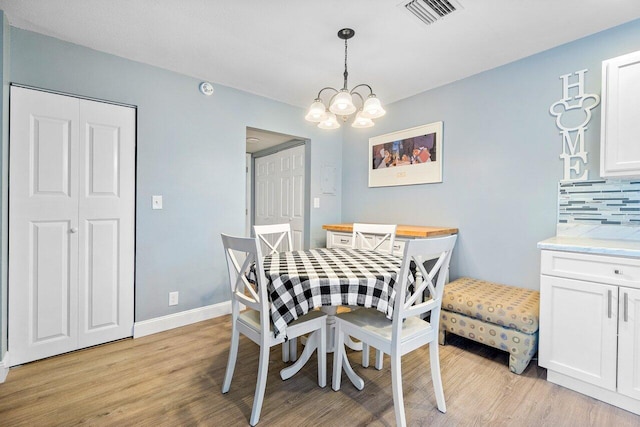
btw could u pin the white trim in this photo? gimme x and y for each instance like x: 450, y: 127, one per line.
x: 4, y: 367
x: 176, y: 320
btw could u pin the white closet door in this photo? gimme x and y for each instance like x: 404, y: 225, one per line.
x: 279, y: 191
x: 296, y: 198
x: 106, y: 220
x: 265, y: 190
x: 43, y: 218
x: 63, y: 270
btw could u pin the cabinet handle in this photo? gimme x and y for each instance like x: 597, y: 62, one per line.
x: 344, y: 240
x: 626, y: 307
x: 616, y: 271
x: 396, y: 246
x: 609, y: 298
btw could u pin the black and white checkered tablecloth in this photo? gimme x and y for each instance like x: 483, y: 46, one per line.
x: 303, y: 280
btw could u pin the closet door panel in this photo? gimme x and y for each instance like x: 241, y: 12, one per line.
x: 106, y: 217
x: 43, y: 221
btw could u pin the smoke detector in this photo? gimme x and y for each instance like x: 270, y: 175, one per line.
x: 431, y: 11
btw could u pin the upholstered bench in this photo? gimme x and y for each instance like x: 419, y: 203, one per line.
x: 504, y: 317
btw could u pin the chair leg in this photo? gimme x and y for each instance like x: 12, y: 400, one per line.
x: 285, y: 351
x: 322, y: 355
x: 379, y: 359
x: 231, y: 362
x: 396, y: 383
x: 365, y: 355
x: 338, y: 350
x: 293, y: 349
x: 263, y: 367
x: 436, y: 377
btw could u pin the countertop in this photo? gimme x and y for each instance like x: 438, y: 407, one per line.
x: 401, y: 230
x: 628, y: 248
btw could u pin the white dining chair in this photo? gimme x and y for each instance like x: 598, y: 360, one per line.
x: 275, y: 238
x: 373, y: 237
x: 407, y: 330
x: 255, y: 323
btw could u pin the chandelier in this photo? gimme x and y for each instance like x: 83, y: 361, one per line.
x: 341, y: 101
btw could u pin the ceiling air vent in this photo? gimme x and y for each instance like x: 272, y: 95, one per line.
x: 430, y: 11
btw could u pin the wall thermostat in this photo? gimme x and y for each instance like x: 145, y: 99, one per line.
x: 206, y: 88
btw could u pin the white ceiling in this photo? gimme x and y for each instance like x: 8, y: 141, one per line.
x: 287, y: 50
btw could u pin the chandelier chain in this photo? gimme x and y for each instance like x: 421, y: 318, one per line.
x: 345, y: 65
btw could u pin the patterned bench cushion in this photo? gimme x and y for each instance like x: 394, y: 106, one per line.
x: 508, y: 306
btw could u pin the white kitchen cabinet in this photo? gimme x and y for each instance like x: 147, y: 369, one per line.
x: 620, y: 127
x: 336, y: 239
x: 590, y: 325
x: 340, y: 235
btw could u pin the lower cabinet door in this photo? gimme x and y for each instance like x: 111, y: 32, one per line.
x: 629, y: 343
x: 578, y: 325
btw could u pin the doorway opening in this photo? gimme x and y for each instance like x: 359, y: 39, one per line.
x: 278, y: 183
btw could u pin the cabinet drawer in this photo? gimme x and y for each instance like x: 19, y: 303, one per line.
x: 592, y: 268
x: 339, y: 240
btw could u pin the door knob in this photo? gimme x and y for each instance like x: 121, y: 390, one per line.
x: 74, y: 229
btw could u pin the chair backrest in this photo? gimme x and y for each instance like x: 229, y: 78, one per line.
x: 426, y: 261
x: 378, y: 234
x: 274, y: 237
x: 244, y: 260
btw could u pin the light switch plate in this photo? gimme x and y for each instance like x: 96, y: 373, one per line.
x: 316, y: 202
x: 156, y: 202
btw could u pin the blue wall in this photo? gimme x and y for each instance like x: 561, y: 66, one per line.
x: 501, y: 158
x: 191, y: 150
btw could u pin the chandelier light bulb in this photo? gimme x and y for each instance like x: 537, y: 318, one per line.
x: 343, y: 104
x: 362, y: 122
x: 317, y: 112
x: 331, y: 122
x: 372, y: 108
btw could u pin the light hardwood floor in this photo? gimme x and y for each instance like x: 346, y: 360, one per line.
x: 174, y: 379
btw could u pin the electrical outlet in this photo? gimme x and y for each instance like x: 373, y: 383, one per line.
x: 156, y: 202
x: 173, y: 298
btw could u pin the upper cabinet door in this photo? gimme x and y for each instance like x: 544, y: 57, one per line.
x: 620, y: 130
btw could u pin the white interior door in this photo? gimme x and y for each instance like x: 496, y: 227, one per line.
x: 106, y: 218
x: 71, y: 230
x: 279, y: 191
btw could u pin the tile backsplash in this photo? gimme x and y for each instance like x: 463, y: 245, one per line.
x: 607, y: 209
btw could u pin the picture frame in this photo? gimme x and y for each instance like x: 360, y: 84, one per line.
x: 407, y: 157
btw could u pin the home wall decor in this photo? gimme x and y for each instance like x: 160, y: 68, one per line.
x: 411, y: 156
x: 573, y: 114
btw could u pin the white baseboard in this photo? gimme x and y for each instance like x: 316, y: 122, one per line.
x: 165, y: 323
x: 4, y: 367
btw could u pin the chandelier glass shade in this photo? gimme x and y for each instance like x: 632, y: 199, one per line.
x: 341, y: 103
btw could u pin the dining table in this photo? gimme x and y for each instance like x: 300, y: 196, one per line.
x: 325, y: 278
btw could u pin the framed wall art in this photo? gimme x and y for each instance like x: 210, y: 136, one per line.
x: 406, y: 157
